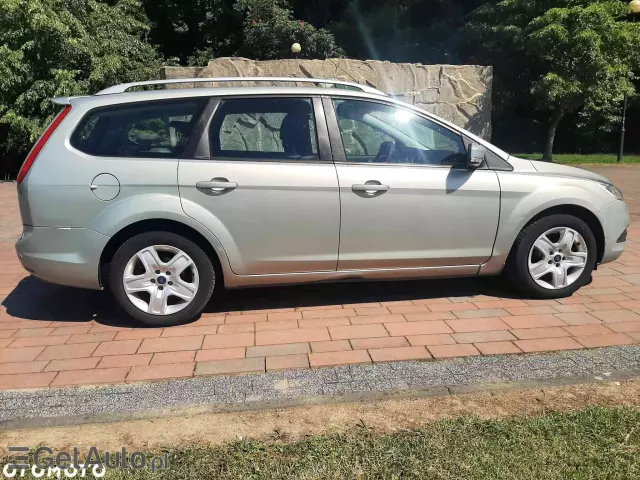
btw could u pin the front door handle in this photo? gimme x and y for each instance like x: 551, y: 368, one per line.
x: 217, y: 185
x: 372, y: 187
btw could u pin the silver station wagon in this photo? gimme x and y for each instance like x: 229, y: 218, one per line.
x: 164, y: 195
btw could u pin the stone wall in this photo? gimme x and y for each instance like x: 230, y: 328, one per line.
x: 458, y: 93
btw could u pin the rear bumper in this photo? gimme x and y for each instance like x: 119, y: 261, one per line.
x: 615, y: 220
x: 65, y: 256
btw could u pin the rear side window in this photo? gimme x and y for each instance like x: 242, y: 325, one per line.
x: 145, y: 129
x: 264, y: 129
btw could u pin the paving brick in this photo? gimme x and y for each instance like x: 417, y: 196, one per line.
x: 402, y: 309
x: 119, y: 347
x: 188, y: 331
x: 276, y: 325
x: 243, y: 365
x: 598, y: 291
x: 576, y: 299
x: 160, y: 372
x: 607, y: 281
x: 326, y: 359
x: 581, y: 318
x: 616, y: 316
x: 90, y: 377
x: 398, y: 303
x: 314, y: 308
x: 246, y: 318
x: 77, y: 330
x: 541, y: 303
x: 4, y: 342
x: 543, y: 332
x: 276, y: 317
x: 164, y: 358
x: 497, y: 348
x: 383, y: 342
x: 278, y: 350
x: 428, y: 316
x: 284, y: 362
x: 620, y: 298
x: 330, y: 346
x: 398, y: 354
x: 36, y: 341
x: 357, y: 331
x: 324, y: 322
x: 62, y: 352
x: 220, y: 354
x: 533, y: 321
x: 417, y: 328
x: 24, y: 354
x: 547, y: 344
x: 33, y: 380
x: 361, y: 305
x: 22, y: 324
x: 481, y: 313
x: 108, y: 328
x: 339, y: 312
x: 575, y: 308
x: 425, y: 340
x: 125, y: 360
x: 593, y: 307
x: 634, y: 335
x: 579, y: 330
x: 237, y: 328
x: 630, y: 304
x: 7, y: 333
x: 138, y: 334
x: 228, y: 341
x: 483, y: 337
x: 91, y: 338
x: 591, y: 341
x: 362, y: 311
x: 175, y: 344
x: 531, y: 310
x: 444, y: 351
x: 292, y: 336
x: 32, y: 332
x: 453, y: 307
x: 500, y: 304
x: 429, y: 301
x: 477, y: 325
x: 624, y: 327
x: 389, y: 318
x: 72, y: 364
x: 22, y: 367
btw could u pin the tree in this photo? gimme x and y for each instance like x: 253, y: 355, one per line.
x: 52, y: 48
x: 570, y: 55
x: 270, y: 29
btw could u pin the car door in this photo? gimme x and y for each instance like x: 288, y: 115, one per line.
x: 403, y: 202
x: 266, y: 185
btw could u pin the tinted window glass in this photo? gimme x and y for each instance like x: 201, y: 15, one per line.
x: 264, y: 128
x: 149, y: 129
x: 373, y: 132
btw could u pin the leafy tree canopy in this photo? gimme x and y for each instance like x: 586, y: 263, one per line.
x: 52, y: 48
x: 572, y: 55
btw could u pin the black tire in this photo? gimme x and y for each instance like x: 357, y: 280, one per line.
x: 517, y: 268
x: 206, y: 274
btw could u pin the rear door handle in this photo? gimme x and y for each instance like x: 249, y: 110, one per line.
x: 217, y: 185
x: 371, y: 187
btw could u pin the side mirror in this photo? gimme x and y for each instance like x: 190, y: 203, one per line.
x: 475, y: 156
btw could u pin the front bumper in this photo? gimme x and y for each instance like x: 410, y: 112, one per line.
x: 65, y: 256
x: 615, y: 220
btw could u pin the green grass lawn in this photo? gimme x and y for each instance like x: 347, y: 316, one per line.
x: 595, y: 443
x: 578, y: 159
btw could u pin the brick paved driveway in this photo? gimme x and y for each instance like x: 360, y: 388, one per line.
x: 57, y: 336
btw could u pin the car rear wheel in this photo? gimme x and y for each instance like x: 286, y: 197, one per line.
x: 552, y: 257
x: 161, y: 278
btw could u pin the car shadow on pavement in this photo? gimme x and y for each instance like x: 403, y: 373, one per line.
x: 34, y: 299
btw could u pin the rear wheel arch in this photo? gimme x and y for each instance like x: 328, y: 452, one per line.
x: 165, y: 225
x: 584, y: 214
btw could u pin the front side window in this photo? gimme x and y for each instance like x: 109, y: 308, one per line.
x: 264, y: 129
x: 146, y: 129
x: 378, y: 133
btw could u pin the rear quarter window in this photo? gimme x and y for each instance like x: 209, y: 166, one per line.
x: 142, y: 129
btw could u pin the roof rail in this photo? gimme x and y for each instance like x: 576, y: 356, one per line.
x: 123, y: 87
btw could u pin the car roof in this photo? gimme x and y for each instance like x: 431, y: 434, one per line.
x: 174, y: 93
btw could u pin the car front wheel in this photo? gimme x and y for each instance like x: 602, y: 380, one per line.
x: 161, y: 278
x: 552, y: 257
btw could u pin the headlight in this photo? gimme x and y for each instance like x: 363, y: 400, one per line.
x: 612, y: 189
